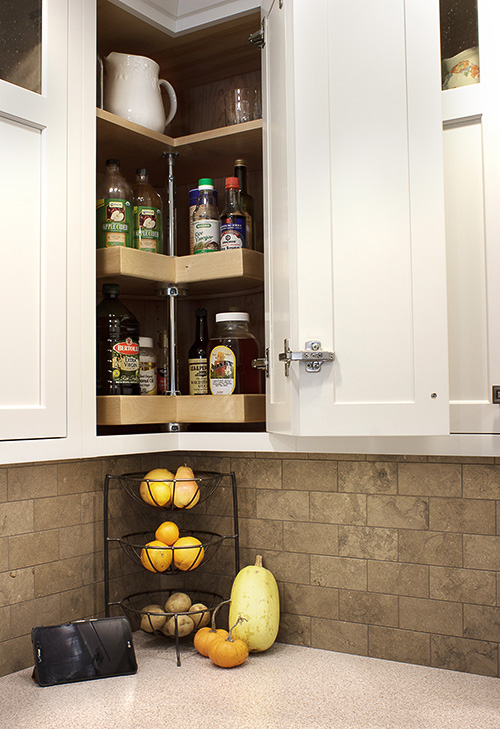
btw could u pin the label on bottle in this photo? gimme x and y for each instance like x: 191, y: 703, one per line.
x: 147, y: 229
x: 232, y: 232
x: 198, y: 376
x: 126, y: 362
x: 147, y: 377
x: 114, y: 223
x: 222, y: 370
x: 162, y: 378
x: 205, y: 235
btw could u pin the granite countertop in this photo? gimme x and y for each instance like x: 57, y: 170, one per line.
x: 287, y: 686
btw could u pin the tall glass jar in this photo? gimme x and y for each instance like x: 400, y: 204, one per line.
x: 231, y: 353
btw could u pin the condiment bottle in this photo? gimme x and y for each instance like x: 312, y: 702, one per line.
x: 206, y: 219
x: 147, y: 366
x: 148, y: 214
x: 247, y: 202
x: 114, y: 208
x: 117, y: 346
x: 197, y: 356
x: 162, y: 363
x: 232, y: 220
x: 193, y: 201
x: 231, y: 353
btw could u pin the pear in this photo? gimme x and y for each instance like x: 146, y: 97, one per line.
x: 186, y: 491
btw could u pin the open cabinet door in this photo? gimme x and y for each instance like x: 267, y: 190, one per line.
x: 355, y: 219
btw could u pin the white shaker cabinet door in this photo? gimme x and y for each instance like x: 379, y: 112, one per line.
x: 33, y: 110
x: 355, y: 229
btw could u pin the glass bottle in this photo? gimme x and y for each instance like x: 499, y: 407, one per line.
x: 232, y: 220
x: 231, y: 353
x: 147, y: 366
x: 247, y: 202
x: 117, y: 346
x: 197, y: 356
x: 114, y: 208
x: 162, y: 362
x: 206, y: 219
x: 148, y: 214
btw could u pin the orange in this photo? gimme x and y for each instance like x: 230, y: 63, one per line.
x: 154, y: 558
x: 188, y: 553
x: 168, y: 533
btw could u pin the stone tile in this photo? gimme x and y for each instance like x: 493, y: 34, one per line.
x: 257, y: 473
x: 318, y: 602
x: 461, y: 459
x: 438, y: 548
x: 15, y: 655
x: 262, y: 534
x: 31, y: 482
x: 481, y: 553
x: 310, y: 538
x: 368, y: 478
x: 430, y: 616
x: 430, y: 479
x: 462, y: 515
x: 337, y: 635
x: 400, y: 512
x: 3, y: 484
x: 78, y: 540
x: 482, y: 622
x: 395, y: 578
x: 397, y: 458
x: 481, y: 482
x: 286, y: 505
x: 460, y: 654
x: 42, y: 611
x: 247, y: 502
x: 461, y: 585
x: 4, y: 554
x: 117, y: 465
x: 284, y: 456
x: 32, y: 549
x: 16, y: 586
x: 16, y: 517
x: 406, y: 646
x: 74, y: 477
x: 286, y: 566
x: 336, y: 508
x: 92, y: 568
x: 368, y: 542
x: 5, y: 627
x: 55, y: 577
x: 310, y: 475
x: 57, y: 511
x: 294, y: 629
x: 92, y: 506
x: 79, y: 603
x: 368, y: 608
x: 221, y: 501
x: 342, y: 572
x: 340, y: 456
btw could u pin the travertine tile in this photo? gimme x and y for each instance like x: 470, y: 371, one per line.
x: 461, y: 654
x: 397, y: 458
x: 463, y: 585
x: 310, y: 538
x: 430, y: 616
x: 482, y: 622
x: 3, y: 484
x: 78, y: 540
x: 117, y: 465
x: 283, y: 456
x: 368, y: 478
x: 287, y: 566
x: 368, y: 542
x: 74, y: 477
x: 430, y: 479
x: 339, y: 456
x: 287, y: 505
x: 42, y: 611
x: 16, y: 586
x: 35, y: 548
x: 58, y: 576
x: 342, y: 572
x: 30, y: 482
x: 5, y: 626
x: 257, y: 473
x: 4, y: 554
x: 368, y: 608
x: 16, y: 654
x: 395, y: 578
x: 462, y: 515
x: 439, y: 548
x: 400, y: 512
x: 57, y: 511
x: 346, y: 508
x: 79, y: 603
x: 481, y: 482
x: 294, y: 629
x: 310, y: 475
x: 399, y: 645
x: 93, y: 568
x: 261, y: 534
x: 16, y: 517
x: 92, y: 506
x: 481, y: 553
x: 337, y: 635
x: 319, y: 602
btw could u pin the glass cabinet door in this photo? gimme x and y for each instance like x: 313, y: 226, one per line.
x: 459, y: 43
x: 20, y: 43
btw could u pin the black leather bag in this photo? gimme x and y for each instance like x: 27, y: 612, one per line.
x: 83, y: 650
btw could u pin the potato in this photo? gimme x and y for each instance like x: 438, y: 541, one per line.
x: 185, y: 625
x: 178, y: 602
x: 155, y: 620
x: 200, y: 619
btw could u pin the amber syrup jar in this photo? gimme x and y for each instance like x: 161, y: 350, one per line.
x: 231, y: 352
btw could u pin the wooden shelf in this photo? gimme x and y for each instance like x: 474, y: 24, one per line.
x: 221, y: 272
x: 144, y: 410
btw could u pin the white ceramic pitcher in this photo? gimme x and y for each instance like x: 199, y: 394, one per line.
x: 132, y: 91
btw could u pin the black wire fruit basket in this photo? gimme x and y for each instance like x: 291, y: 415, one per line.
x: 171, y: 493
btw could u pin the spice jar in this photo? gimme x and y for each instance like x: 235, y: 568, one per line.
x: 231, y: 353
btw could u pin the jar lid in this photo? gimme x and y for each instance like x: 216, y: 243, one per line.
x: 146, y: 342
x: 232, y: 316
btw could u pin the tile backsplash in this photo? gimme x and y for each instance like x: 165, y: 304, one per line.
x: 391, y: 557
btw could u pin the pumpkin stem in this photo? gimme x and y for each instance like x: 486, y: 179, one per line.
x: 213, y: 629
x: 230, y: 635
x: 258, y: 560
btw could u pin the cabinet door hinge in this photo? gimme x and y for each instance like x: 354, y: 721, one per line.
x: 262, y: 363
x: 258, y: 38
x: 313, y: 356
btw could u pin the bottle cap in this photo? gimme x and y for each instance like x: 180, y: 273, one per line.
x: 205, y: 182
x: 146, y: 342
x: 232, y: 182
x: 111, y: 289
x: 232, y: 316
x: 240, y: 163
x: 113, y: 161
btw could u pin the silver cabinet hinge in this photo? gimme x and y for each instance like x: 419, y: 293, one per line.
x: 313, y: 356
x: 262, y: 363
x: 258, y: 38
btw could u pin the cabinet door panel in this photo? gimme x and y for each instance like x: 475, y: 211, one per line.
x: 364, y: 236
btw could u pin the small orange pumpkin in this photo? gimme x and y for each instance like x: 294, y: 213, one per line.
x: 229, y: 652
x: 204, y: 637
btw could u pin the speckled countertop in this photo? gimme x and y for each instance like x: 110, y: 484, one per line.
x: 288, y: 686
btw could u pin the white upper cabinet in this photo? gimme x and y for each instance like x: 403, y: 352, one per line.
x: 354, y: 214
x: 33, y: 123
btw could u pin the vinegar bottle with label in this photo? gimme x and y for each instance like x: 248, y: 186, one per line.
x: 197, y: 356
x: 114, y: 209
x: 117, y: 346
x: 206, y: 219
x: 247, y: 204
x: 232, y: 220
x: 148, y: 223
